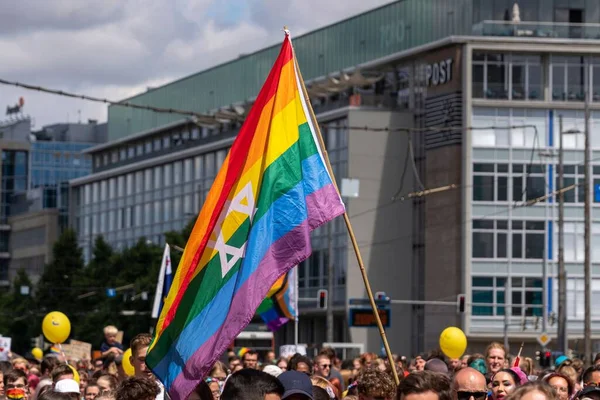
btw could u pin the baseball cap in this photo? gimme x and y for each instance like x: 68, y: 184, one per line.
x: 295, y: 382
x: 560, y: 360
x: 66, y: 386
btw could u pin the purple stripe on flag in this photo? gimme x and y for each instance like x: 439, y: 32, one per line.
x: 277, y: 323
x: 284, y: 254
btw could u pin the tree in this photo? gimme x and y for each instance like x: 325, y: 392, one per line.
x: 55, y: 290
x: 21, y: 320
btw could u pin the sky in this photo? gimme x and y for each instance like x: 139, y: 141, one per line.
x: 117, y: 48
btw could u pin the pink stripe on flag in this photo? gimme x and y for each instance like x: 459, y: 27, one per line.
x: 277, y: 261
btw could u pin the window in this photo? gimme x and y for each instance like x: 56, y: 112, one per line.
x: 529, y: 182
x: 195, y: 133
x: 148, y: 179
x: 157, y: 212
x: 177, y: 172
x: 489, y: 239
x: 494, y: 127
x: 167, y: 210
x: 221, y: 154
x: 167, y: 174
x: 513, y: 76
x: 157, y: 144
x: 139, y: 182
x: 130, y: 152
x: 139, y: 149
x: 198, y: 167
x: 129, y: 185
x: 490, y: 182
x: 187, y: 170
x: 112, y: 188
x: 209, y: 165
x: 157, y: 177
x: 526, y: 294
x: 486, y: 291
x: 568, y: 78
x: 122, y: 154
x: 166, y: 141
x: 147, y: 213
x: 121, y: 186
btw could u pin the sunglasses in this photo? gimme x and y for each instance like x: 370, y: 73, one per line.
x: 464, y: 395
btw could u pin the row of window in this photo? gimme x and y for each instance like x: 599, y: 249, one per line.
x: 490, y: 239
x: 200, y: 167
x: 512, y: 76
x: 503, y: 182
x: 171, y: 139
x: 491, y: 293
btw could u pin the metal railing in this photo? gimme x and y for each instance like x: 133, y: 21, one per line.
x: 537, y: 29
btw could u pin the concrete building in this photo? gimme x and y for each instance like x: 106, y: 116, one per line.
x: 480, y: 83
x: 37, y: 166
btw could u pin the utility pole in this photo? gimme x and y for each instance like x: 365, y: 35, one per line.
x: 330, y: 278
x: 562, y: 281
x: 587, y: 334
x: 506, y: 318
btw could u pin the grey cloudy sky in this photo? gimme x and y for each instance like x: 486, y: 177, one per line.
x: 117, y: 48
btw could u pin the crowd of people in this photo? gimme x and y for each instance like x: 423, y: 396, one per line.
x: 246, y: 376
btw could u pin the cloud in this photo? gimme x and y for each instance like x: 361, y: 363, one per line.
x: 114, y: 49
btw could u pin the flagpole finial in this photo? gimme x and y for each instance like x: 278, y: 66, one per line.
x: 286, y: 30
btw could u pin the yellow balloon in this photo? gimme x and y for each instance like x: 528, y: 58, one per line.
x: 56, y: 327
x: 37, y: 353
x: 453, y: 342
x: 75, y: 373
x: 126, y: 363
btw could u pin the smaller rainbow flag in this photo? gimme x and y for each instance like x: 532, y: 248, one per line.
x: 279, y: 308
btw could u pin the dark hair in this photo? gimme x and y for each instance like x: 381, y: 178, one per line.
x: 587, y: 375
x: 13, y: 375
x: 375, y: 383
x: 320, y: 393
x: 297, y: 359
x: 250, y: 353
x: 60, y: 370
x: 48, y: 364
x: 134, y: 388
x: 52, y: 395
x: 512, y: 373
x: 425, y: 381
x: 5, y: 366
x: 251, y: 384
x: 533, y: 386
x: 570, y: 385
x: 203, y: 391
x: 348, y: 364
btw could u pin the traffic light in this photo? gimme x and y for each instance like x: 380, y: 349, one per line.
x: 322, y: 299
x: 545, y: 359
x: 460, y: 303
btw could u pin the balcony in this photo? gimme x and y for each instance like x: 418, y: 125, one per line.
x: 537, y: 29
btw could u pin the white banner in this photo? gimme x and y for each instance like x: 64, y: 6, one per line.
x: 4, y: 348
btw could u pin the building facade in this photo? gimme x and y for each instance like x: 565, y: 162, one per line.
x: 37, y: 166
x: 455, y: 195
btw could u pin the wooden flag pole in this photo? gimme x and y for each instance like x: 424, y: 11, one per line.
x: 361, y: 264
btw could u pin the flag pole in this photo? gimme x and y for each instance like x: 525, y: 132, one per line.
x: 361, y: 264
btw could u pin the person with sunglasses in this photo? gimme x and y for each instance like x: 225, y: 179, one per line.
x: 469, y: 384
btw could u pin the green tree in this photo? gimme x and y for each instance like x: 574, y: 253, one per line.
x: 21, y: 320
x: 55, y: 289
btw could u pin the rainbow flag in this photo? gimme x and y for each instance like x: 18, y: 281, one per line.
x: 271, y: 192
x: 279, y: 308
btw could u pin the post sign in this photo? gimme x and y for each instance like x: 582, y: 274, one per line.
x: 543, y: 339
x: 364, y: 318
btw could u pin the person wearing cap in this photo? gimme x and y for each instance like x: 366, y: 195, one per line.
x: 560, y: 361
x: 68, y: 386
x: 297, y: 385
x: 272, y: 370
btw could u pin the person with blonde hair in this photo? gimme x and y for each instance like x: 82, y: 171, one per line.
x: 110, y: 344
x: 495, y: 355
x: 526, y: 365
x: 323, y: 383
